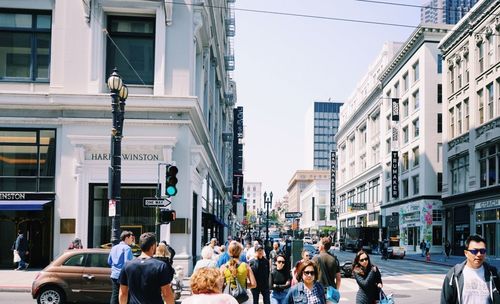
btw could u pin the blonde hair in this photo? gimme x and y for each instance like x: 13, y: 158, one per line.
x: 234, y: 249
x: 207, y: 280
x: 162, y: 251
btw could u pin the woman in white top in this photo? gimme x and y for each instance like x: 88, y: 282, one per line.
x: 206, y: 261
x: 206, y: 286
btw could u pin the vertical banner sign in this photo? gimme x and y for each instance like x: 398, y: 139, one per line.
x: 237, y: 156
x: 333, y: 169
x: 395, y: 175
x: 395, y: 109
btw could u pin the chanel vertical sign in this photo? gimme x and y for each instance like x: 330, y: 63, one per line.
x: 333, y: 168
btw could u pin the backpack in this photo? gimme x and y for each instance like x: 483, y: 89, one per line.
x: 236, y: 291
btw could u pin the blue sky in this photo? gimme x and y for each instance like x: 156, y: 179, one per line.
x: 284, y: 63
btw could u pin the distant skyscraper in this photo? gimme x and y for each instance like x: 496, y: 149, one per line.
x: 445, y: 11
x: 326, y: 124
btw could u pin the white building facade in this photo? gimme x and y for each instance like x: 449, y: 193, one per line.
x: 253, y: 195
x: 55, y: 120
x: 315, y: 206
x: 414, y: 79
x: 471, y: 116
x: 359, y: 174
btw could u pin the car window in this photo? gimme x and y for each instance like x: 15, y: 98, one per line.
x: 75, y: 260
x: 98, y: 260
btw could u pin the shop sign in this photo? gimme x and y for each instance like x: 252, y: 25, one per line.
x: 333, y: 169
x: 395, y: 174
x: 488, y: 204
x: 125, y: 156
x: 411, y: 216
x: 358, y: 206
x: 21, y: 196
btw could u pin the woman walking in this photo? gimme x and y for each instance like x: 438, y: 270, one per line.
x: 368, y: 278
x: 206, y: 286
x: 308, y: 290
x: 280, y: 281
x: 234, y: 269
x: 207, y: 261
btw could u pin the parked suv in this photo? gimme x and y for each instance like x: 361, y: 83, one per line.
x: 79, y: 275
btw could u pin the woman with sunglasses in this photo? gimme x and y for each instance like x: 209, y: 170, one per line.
x: 368, y: 278
x: 308, y: 290
x: 279, y: 281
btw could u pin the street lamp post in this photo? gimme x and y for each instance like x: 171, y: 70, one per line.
x: 119, y: 94
x: 268, y: 200
x: 260, y: 213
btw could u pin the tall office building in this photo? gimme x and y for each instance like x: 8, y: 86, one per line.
x: 323, y: 117
x: 445, y: 11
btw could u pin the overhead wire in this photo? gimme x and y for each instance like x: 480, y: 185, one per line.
x: 278, y: 13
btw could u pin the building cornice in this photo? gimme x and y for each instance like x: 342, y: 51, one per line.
x: 425, y: 33
x: 468, y: 25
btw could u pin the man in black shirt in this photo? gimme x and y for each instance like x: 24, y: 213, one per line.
x: 146, y: 280
x: 260, y: 268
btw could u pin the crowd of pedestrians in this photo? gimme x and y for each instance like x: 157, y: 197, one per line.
x: 317, y: 279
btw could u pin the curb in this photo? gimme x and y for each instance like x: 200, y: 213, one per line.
x: 15, y: 289
x: 430, y: 262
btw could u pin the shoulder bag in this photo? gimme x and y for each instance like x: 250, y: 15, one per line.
x: 238, y: 292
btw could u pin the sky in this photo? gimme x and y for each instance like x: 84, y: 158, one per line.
x: 285, y: 63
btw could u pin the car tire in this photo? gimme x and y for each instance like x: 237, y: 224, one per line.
x: 51, y: 295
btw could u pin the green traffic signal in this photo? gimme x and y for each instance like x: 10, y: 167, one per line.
x: 171, y: 180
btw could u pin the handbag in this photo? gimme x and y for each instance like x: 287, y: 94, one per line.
x: 238, y: 292
x: 17, y: 257
x: 385, y: 299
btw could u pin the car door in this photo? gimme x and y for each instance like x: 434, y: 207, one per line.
x: 70, y: 272
x: 95, y: 278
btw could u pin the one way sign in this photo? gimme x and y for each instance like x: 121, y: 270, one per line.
x: 154, y: 202
x: 293, y: 214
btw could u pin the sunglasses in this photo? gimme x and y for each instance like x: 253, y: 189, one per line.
x: 280, y: 261
x: 476, y: 251
x: 362, y: 260
x: 311, y: 273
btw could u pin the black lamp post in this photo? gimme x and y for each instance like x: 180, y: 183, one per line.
x: 119, y: 94
x: 268, y: 200
x: 260, y: 213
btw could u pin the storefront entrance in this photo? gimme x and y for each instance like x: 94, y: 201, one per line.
x: 37, y: 226
x: 413, y: 237
x: 491, y: 233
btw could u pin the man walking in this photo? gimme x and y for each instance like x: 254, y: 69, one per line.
x: 21, y: 246
x: 119, y: 254
x: 472, y: 281
x: 328, y: 266
x: 145, y: 279
x: 260, y: 268
x: 422, y: 247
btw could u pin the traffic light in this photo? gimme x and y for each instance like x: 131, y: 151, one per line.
x: 167, y: 216
x: 171, y: 180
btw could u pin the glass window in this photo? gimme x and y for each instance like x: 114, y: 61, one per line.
x: 416, y: 100
x: 416, y: 157
x: 97, y: 260
x: 76, y: 260
x: 416, y: 71
x: 416, y: 184
x: 25, y: 46
x: 440, y: 93
x: 416, y: 128
x: 480, y: 106
x: 466, y: 114
x: 491, y: 94
x: 439, y: 182
x: 437, y: 235
x: 405, y: 187
x: 27, y: 160
x: 488, y: 166
x: 452, y: 122
x: 459, y: 170
x: 406, y: 83
x: 405, y: 161
x: 405, y: 135
x: 134, y: 37
x: 440, y: 123
x: 440, y: 63
x: 405, y: 108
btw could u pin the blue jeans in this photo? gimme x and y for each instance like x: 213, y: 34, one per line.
x: 278, y: 297
x: 22, y: 262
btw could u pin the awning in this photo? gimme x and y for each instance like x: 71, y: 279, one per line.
x: 23, y: 205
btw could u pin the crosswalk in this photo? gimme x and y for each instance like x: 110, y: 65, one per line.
x: 402, y: 282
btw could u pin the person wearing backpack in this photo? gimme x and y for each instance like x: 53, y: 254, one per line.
x: 234, y: 270
x: 329, y: 270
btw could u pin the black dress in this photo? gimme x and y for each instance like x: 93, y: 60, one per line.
x: 368, y: 291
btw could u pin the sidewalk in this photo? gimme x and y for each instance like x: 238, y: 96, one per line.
x: 17, y: 281
x: 440, y: 259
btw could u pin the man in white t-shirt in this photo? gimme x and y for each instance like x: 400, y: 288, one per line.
x: 473, y: 281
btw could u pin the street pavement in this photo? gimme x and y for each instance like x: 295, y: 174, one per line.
x: 407, y: 279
